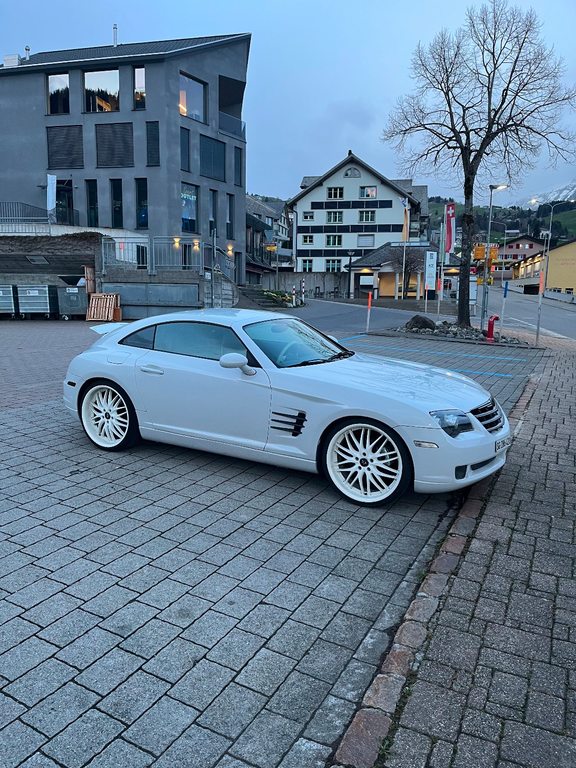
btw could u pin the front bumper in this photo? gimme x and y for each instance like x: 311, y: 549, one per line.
x: 456, y: 462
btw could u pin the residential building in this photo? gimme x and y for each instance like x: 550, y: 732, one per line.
x: 380, y: 271
x: 513, y: 250
x: 273, y: 213
x: 351, y: 210
x: 561, y: 271
x: 146, y: 137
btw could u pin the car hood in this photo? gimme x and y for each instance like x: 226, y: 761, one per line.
x: 422, y: 386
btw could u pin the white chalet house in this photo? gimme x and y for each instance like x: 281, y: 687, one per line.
x: 351, y: 210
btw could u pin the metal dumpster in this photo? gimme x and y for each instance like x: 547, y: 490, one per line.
x: 72, y: 301
x: 37, y: 300
x: 8, y: 300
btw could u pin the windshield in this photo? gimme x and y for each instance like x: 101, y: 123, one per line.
x: 289, y: 343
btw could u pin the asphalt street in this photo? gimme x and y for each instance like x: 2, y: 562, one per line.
x: 558, y: 318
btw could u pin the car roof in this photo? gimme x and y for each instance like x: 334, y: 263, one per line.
x: 230, y: 317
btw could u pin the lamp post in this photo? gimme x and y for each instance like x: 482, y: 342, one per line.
x: 350, y: 291
x: 493, y: 188
x: 544, y: 278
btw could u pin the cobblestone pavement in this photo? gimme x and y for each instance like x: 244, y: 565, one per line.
x: 170, y: 607
x: 496, y: 685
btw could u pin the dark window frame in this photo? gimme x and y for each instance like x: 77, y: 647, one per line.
x: 141, y: 219
x: 194, y: 226
x: 208, y: 160
x: 184, y: 149
x: 49, y: 93
x: 85, y: 90
x: 204, y: 118
x: 92, y: 215
x: 113, y: 214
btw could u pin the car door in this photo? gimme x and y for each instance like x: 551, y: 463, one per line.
x: 183, y: 389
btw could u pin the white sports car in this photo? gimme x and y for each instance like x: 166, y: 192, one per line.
x: 268, y: 387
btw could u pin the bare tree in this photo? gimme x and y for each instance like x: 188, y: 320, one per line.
x: 489, y: 97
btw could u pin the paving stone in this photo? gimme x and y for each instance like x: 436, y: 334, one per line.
x: 346, y: 629
x: 40, y: 681
x: 196, y: 748
x: 86, y: 649
x: 316, y: 611
x: 35, y: 593
x: 236, y: 649
x: 354, y: 680
x: 173, y: 661
x: 215, y: 587
x: 238, y: 602
x: 306, y: 754
x: 133, y: 697
x: 60, y: 709
x: 202, y: 684
x: 83, y: 739
x: 18, y: 742
x: 298, y: 697
x: 161, y: 725
x: 288, y: 595
x: 185, y: 610
x: 14, y: 631
x: 9, y: 710
x: 266, y: 671
x: 70, y: 627
x: 266, y: 740
x: 120, y: 753
x: 263, y: 580
x: 264, y: 620
x: 129, y: 618
x: 293, y: 639
x: 109, y: 601
x: 52, y: 609
x: 109, y: 671
x: 25, y: 656
x: 150, y: 638
x: 330, y: 720
x: 434, y: 710
x: 408, y: 750
x: 210, y: 628
x: 534, y: 747
x: 508, y: 689
x: 545, y: 711
x: 232, y: 710
x: 361, y: 743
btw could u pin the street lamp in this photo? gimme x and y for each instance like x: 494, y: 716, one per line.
x: 350, y: 291
x: 544, y: 281
x: 493, y: 188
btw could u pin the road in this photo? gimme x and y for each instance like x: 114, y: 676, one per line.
x: 557, y: 318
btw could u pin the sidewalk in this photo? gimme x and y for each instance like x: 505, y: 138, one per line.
x: 489, y: 678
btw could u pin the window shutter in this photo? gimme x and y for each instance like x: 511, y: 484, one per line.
x: 65, y: 146
x: 114, y: 145
x: 153, y: 143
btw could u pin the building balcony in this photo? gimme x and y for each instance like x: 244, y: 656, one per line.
x: 232, y: 125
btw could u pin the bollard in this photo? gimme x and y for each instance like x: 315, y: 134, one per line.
x: 490, y: 335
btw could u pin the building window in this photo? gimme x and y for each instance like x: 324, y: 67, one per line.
x: 306, y: 265
x: 141, y: 204
x: 116, y: 203
x: 65, y: 146
x: 368, y: 192
x: 230, y: 217
x: 213, y: 210
x: 212, y: 158
x: 367, y: 217
x: 238, y: 175
x: 192, y: 101
x: 184, y: 149
x: 92, y: 202
x: 365, y: 241
x: 333, y: 265
x: 114, y: 145
x: 189, y: 199
x: 141, y: 257
x: 333, y: 241
x: 334, y: 217
x: 307, y: 239
x: 58, y: 95
x: 335, y: 193
x: 102, y: 91
x: 139, y: 88
x: 308, y: 215
x: 153, y: 143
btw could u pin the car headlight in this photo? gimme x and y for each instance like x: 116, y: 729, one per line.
x: 452, y: 422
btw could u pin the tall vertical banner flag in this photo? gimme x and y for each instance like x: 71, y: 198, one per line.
x: 406, y: 224
x: 51, y: 197
x: 450, y: 227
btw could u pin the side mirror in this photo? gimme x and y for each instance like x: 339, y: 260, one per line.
x: 235, y: 360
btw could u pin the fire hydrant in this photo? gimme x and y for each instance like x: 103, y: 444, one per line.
x: 490, y: 335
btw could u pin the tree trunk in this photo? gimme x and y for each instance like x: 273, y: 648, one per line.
x: 467, y: 243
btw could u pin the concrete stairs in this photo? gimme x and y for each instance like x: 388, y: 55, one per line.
x: 252, y: 297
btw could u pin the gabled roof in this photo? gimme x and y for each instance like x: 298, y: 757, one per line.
x: 388, y: 252
x: 536, y: 240
x: 258, y: 208
x: 316, y: 181
x: 158, y: 48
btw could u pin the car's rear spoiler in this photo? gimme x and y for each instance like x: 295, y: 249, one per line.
x: 107, y: 327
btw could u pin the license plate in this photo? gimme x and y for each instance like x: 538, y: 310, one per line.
x: 503, y: 444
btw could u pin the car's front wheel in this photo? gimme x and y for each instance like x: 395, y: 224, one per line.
x: 108, y: 416
x: 366, y: 462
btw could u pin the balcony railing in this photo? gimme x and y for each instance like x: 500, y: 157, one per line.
x: 230, y: 124
x: 22, y: 219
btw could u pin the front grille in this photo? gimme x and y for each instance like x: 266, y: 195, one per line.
x: 489, y: 415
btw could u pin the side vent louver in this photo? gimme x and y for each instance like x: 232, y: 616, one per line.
x: 289, y: 422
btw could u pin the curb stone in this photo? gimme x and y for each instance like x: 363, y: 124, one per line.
x: 364, y: 738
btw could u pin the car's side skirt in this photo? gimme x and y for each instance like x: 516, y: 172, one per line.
x: 235, y: 451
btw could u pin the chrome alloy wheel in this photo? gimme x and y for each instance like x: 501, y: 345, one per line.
x: 105, y: 416
x: 365, y: 463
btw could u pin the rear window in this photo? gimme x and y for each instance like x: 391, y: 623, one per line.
x: 144, y: 338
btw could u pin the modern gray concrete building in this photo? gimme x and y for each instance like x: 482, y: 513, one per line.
x: 146, y: 137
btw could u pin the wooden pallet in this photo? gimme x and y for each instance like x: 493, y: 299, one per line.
x: 103, y: 306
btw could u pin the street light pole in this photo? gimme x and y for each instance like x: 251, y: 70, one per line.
x: 493, y: 188
x: 350, y: 291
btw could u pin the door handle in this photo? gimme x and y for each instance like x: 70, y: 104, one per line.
x: 151, y: 369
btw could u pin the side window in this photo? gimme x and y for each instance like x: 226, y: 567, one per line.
x: 197, y: 340
x: 144, y: 338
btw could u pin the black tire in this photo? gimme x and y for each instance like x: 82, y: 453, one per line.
x: 108, y: 416
x: 370, y: 474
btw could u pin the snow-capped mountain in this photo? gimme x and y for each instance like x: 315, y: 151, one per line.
x: 565, y: 192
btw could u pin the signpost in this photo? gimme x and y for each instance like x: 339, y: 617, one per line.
x: 429, y: 276
x: 504, y: 295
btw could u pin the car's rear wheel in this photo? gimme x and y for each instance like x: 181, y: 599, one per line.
x: 108, y: 416
x: 366, y: 462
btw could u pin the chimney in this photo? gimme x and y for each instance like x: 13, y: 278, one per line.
x: 349, y: 152
x: 27, y: 49
x: 11, y: 60
x: 115, y: 34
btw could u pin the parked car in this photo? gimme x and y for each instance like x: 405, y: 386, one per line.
x: 268, y: 387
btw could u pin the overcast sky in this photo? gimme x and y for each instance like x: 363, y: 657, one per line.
x: 323, y: 74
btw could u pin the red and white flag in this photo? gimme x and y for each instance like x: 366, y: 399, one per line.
x: 450, y: 219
